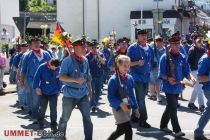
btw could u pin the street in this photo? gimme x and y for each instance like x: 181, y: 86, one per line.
x: 12, y: 118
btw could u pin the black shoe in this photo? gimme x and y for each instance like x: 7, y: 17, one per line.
x: 200, y: 138
x: 29, y: 112
x: 41, y: 125
x: 166, y: 130
x: 22, y: 107
x: 145, y: 125
x: 54, y: 129
x: 192, y: 106
x: 202, y: 108
x: 35, y: 122
x: 93, y: 109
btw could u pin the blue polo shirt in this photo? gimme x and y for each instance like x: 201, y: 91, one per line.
x: 106, y: 53
x: 181, y: 70
x: 96, y: 68
x: 74, y: 69
x: 157, y: 54
x: 204, y: 70
x: 114, y: 95
x: 47, y: 80
x: 136, y: 53
x: 31, y: 63
x: 16, y: 60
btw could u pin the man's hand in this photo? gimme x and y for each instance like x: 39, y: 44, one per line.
x: 171, y: 80
x: 80, y: 80
x: 137, y: 114
x: 124, y: 107
x: 58, y: 94
x: 89, y: 95
x: 141, y: 62
x: 192, y: 79
x: 38, y: 91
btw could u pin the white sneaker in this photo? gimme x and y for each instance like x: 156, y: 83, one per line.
x: 159, y: 99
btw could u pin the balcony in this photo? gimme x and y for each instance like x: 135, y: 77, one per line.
x: 40, y: 17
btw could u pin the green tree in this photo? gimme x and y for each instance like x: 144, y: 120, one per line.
x: 36, y: 6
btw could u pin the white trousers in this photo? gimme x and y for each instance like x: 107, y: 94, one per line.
x: 197, y: 92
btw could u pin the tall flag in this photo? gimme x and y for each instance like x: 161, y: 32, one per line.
x: 57, y: 33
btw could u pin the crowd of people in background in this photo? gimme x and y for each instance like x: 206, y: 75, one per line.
x: 132, y: 70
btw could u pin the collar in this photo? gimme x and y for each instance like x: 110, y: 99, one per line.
x: 76, y: 57
x: 48, y: 64
x: 173, y: 54
x: 124, y: 77
x: 120, y: 52
x: 37, y: 52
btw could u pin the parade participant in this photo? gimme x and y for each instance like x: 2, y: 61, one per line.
x: 142, y: 56
x: 30, y: 63
x: 173, y: 68
x: 47, y: 86
x: 45, y: 47
x: 203, y: 77
x: 60, y: 52
x: 121, y: 49
x: 12, y: 53
x: 16, y: 62
x: 186, y: 45
x: 2, y: 67
x: 154, y: 86
x: 5, y: 40
x: 65, y: 54
x: 195, y: 53
x: 75, y: 75
x: 121, y: 109
x: 150, y: 40
x: 107, y: 54
x: 96, y: 60
x: 54, y: 52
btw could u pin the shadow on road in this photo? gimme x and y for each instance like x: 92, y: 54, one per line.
x: 100, y: 113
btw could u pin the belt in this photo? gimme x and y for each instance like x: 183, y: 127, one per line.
x: 141, y: 73
x: 75, y: 88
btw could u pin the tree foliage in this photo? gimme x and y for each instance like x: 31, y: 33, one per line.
x: 36, y: 6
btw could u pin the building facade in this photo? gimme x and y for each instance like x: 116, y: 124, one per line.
x: 8, y: 10
x: 97, y: 18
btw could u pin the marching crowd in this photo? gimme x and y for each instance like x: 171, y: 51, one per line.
x: 132, y: 71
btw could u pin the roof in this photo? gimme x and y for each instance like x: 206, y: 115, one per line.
x: 149, y: 14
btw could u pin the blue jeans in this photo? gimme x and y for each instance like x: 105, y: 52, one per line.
x: 84, y: 106
x: 52, y: 99
x: 141, y: 90
x: 12, y: 76
x: 33, y: 99
x: 204, y: 117
x: 96, y: 84
x: 170, y: 113
x: 21, y: 95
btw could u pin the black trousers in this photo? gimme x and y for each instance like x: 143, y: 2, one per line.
x: 124, y: 128
x: 170, y: 113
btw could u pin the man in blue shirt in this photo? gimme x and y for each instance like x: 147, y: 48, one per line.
x: 75, y: 75
x: 47, y: 85
x: 96, y: 61
x: 30, y: 64
x: 204, y: 78
x: 142, y: 57
x: 16, y: 61
x: 173, y: 67
x: 107, y: 54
